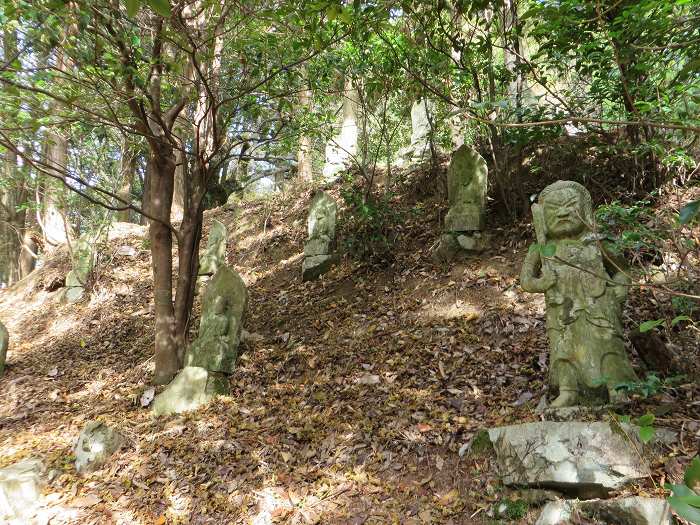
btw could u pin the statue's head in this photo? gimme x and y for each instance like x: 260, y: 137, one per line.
x: 567, y: 208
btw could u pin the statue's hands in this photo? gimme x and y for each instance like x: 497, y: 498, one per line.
x: 622, y: 287
x: 548, y: 279
x: 535, y: 277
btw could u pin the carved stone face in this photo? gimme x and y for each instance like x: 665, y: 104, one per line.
x: 564, y: 214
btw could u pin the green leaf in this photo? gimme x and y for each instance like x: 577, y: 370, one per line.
x: 548, y: 250
x: 650, y: 325
x: 646, y: 434
x: 132, y: 7
x: 692, y: 473
x: 646, y: 420
x: 162, y: 7
x: 689, y: 211
x: 680, y: 318
x: 685, y: 511
x: 690, y: 500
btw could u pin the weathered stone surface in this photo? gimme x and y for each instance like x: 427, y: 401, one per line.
x: 581, y: 459
x: 223, y: 307
x: 4, y: 344
x: 318, y: 246
x: 318, y: 250
x: 83, y: 261
x: 584, y: 291
x: 96, y: 443
x: 74, y: 290
x: 20, y: 491
x: 313, y: 267
x: 192, y: 388
x: 474, y: 242
x: 621, y: 511
x: 466, y: 190
x: 214, y: 256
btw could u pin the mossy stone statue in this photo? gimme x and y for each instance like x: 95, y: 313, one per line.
x: 585, y: 288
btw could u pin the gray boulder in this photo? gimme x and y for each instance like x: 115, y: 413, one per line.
x: 96, y: 443
x: 20, y: 491
x: 4, y: 344
x: 192, y: 388
x: 585, y: 460
x: 621, y: 511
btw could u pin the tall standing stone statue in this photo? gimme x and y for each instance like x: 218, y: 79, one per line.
x: 4, y: 344
x: 419, y: 150
x: 83, y: 261
x: 214, y: 256
x: 318, y: 250
x: 212, y: 357
x: 585, y: 289
x: 467, y: 178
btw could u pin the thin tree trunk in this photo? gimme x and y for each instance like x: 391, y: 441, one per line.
x: 127, y: 169
x: 304, y: 160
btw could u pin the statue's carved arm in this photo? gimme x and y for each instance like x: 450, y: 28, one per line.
x: 533, y: 278
x: 617, y: 267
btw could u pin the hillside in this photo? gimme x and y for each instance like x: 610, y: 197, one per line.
x: 353, y: 402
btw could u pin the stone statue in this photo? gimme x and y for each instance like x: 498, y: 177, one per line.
x: 214, y: 255
x: 83, y: 261
x: 4, y: 343
x: 213, y: 355
x: 318, y: 250
x: 466, y: 192
x: 584, y: 288
x: 223, y: 305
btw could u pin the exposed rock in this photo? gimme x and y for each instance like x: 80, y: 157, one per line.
x: 318, y: 250
x: 75, y: 289
x: 313, y: 267
x: 622, y: 511
x: 127, y: 251
x: 20, y: 491
x: 584, y: 287
x: 4, y: 344
x: 214, y: 256
x: 192, y: 388
x: 96, y: 443
x: 580, y: 459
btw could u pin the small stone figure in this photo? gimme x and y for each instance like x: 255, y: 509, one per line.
x: 212, y: 357
x: 466, y: 191
x: 318, y: 250
x: 585, y: 289
x: 83, y: 261
x: 214, y: 255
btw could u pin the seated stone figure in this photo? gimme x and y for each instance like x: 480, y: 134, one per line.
x: 215, y: 348
x: 585, y: 289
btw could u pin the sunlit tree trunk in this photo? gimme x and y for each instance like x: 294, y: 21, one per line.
x: 304, y: 158
x: 127, y: 170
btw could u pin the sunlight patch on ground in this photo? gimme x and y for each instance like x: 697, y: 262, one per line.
x: 452, y: 310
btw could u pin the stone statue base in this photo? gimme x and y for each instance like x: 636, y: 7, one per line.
x: 454, y: 244
x: 192, y: 388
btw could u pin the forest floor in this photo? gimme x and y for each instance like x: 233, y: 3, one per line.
x: 354, y: 402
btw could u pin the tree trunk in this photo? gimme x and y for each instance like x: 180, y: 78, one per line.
x: 304, y: 160
x: 160, y: 195
x: 127, y: 168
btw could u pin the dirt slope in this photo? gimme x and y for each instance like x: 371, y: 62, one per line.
x: 351, y: 403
